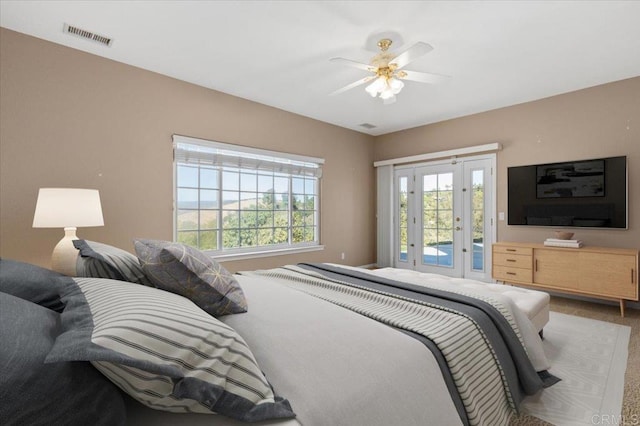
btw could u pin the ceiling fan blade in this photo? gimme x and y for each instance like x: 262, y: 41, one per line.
x: 411, y: 54
x: 422, y: 77
x: 352, y: 85
x: 354, y: 64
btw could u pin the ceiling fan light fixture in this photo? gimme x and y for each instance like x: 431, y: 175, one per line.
x: 378, y: 85
x: 385, y: 87
x: 395, y: 85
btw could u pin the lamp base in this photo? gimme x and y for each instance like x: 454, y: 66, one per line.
x: 65, y: 255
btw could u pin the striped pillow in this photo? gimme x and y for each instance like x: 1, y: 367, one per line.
x: 99, y: 260
x: 164, y: 351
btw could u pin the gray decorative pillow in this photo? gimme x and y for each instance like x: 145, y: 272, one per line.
x: 39, y: 394
x: 189, y: 272
x: 31, y: 282
x: 100, y: 260
x: 164, y: 351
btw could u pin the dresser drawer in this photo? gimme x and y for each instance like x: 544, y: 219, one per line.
x: 513, y: 260
x: 507, y: 273
x: 498, y: 248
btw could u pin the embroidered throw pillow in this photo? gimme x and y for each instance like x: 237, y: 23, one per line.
x: 189, y: 272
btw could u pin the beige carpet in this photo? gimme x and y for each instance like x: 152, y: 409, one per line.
x: 631, y: 400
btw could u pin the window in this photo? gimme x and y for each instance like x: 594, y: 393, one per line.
x: 232, y: 199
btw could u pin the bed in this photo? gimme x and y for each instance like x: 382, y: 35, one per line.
x: 332, y: 344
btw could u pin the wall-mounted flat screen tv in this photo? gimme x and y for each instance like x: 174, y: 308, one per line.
x: 583, y: 193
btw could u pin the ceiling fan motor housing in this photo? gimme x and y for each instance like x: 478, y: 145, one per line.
x: 382, y: 59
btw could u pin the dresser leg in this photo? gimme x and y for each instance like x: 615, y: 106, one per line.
x: 622, y: 308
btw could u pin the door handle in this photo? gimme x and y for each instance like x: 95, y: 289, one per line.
x: 458, y: 228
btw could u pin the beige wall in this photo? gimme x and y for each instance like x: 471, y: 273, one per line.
x: 597, y: 122
x: 71, y: 119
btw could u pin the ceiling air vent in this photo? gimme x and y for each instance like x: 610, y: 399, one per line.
x: 70, y: 29
x: 367, y: 126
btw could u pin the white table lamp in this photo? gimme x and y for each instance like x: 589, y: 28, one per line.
x: 67, y: 208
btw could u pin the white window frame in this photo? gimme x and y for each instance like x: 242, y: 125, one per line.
x: 252, y: 159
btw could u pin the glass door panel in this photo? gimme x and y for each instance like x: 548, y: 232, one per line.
x: 403, y: 224
x: 438, y: 233
x: 477, y: 219
x: 477, y: 216
x: 404, y: 256
x: 437, y: 224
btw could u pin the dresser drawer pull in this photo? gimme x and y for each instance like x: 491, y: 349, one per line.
x: 511, y: 273
x: 509, y: 249
x: 510, y: 260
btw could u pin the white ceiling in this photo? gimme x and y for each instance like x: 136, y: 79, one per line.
x: 498, y: 53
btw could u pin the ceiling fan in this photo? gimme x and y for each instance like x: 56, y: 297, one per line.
x: 388, y: 72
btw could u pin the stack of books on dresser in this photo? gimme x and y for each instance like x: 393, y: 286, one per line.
x: 554, y: 242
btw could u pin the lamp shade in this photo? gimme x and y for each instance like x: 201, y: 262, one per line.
x: 67, y: 207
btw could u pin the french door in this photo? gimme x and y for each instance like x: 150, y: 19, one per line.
x: 444, y: 217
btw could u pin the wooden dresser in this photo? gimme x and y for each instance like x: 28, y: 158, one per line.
x: 599, y: 272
